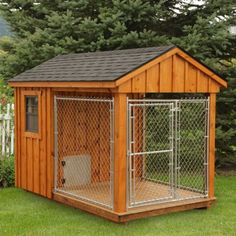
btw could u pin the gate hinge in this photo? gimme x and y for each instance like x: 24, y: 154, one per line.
x: 63, y: 163
x: 63, y: 181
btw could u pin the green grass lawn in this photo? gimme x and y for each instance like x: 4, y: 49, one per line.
x: 23, y: 213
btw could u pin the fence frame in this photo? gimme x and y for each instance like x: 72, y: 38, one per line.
x: 105, y: 100
x: 175, y: 110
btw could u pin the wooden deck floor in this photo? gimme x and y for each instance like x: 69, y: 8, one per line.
x: 150, y: 191
x: 145, y: 191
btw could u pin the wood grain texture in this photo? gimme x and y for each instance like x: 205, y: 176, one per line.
x: 50, y: 138
x: 63, y: 84
x: 33, y: 157
x: 178, y: 74
x: 172, y: 75
x: 29, y: 160
x: 135, y: 213
x: 139, y: 83
x: 213, y: 86
x: 23, y: 169
x: 165, y: 208
x: 93, y: 209
x: 85, y: 90
x: 201, y: 67
x: 190, y: 79
x: 211, y: 166
x: 202, y: 82
x: 125, y: 87
x: 153, y: 79
x: 43, y: 147
x: 166, y: 76
x: 36, y: 166
x: 120, y: 153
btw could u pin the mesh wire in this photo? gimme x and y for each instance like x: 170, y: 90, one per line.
x: 167, y: 142
x: 151, y: 145
x: 192, y: 145
x: 167, y: 149
x: 84, y: 148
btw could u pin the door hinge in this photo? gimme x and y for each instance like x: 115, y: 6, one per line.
x: 63, y: 181
x: 63, y: 163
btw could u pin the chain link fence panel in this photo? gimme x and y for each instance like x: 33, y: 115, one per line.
x: 84, y: 136
x: 167, y: 150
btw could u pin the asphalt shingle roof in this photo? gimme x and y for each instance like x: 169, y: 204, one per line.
x: 92, y: 66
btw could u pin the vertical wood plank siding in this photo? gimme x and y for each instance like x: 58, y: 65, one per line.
x: 172, y: 75
x: 79, y: 133
x: 34, y: 154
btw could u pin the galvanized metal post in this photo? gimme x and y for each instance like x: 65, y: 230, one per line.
x: 112, y: 152
x: 55, y: 144
x: 207, y: 121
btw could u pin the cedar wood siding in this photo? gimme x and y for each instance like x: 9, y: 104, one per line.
x: 34, y: 153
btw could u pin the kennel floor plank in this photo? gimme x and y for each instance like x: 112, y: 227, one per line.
x: 148, y: 191
x: 99, y: 192
x: 144, y: 191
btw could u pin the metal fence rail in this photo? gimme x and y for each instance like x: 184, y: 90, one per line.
x: 167, y: 150
x: 84, y: 136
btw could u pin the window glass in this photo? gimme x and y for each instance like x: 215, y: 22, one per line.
x: 32, y: 113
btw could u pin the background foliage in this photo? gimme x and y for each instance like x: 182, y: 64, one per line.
x: 7, y: 173
x: 45, y: 28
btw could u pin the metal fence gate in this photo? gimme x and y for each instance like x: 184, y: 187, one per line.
x: 167, y: 152
x: 84, y: 148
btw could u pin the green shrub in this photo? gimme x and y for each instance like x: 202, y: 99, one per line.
x: 7, y: 172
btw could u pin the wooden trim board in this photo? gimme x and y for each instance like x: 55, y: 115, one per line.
x: 134, y: 213
x: 24, y: 94
x: 211, y: 148
x: 120, y: 111
x: 93, y: 209
x: 64, y: 84
x: 165, y: 208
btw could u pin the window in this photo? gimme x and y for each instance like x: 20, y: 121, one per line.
x: 31, y: 105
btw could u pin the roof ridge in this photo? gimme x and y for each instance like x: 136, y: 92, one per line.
x: 120, y: 50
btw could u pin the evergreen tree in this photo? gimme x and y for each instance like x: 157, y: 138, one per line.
x: 45, y: 28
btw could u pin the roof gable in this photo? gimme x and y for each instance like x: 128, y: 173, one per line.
x: 172, y: 72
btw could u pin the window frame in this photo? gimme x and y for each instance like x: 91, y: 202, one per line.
x: 26, y: 133
x: 31, y: 114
